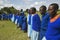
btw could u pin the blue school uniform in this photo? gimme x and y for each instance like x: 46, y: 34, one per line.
x: 4, y: 16
x: 10, y: 16
x: 29, y: 21
x: 15, y: 16
x: 36, y: 23
x: 44, y: 24
x: 20, y: 20
x: 12, y: 19
x: 24, y: 25
x: 29, y: 25
x: 16, y: 20
x: 53, y: 31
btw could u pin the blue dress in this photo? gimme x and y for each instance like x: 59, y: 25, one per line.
x: 53, y: 31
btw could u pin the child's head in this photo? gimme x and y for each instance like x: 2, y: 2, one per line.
x: 21, y: 10
x: 32, y: 10
x: 42, y: 9
x: 53, y: 8
x: 27, y: 10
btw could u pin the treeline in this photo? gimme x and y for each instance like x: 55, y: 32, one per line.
x: 8, y: 10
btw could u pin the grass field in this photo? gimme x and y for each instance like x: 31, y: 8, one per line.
x: 8, y: 31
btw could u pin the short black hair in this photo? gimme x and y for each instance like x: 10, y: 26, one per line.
x: 21, y: 10
x: 34, y: 9
x: 44, y: 7
x: 56, y: 6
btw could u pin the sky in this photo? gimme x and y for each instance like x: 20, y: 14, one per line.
x: 26, y: 4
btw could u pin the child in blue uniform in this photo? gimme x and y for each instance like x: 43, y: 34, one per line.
x: 29, y: 23
x: 4, y: 16
x: 24, y: 25
x: 53, y: 31
x: 44, y: 21
x: 23, y: 22
x: 20, y: 19
x: 16, y: 19
x: 12, y: 19
x: 35, y: 24
x: 10, y: 16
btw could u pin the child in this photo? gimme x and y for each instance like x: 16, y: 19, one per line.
x: 53, y: 31
x: 12, y: 19
x: 16, y: 18
x: 29, y: 23
x: 4, y: 16
x: 10, y: 16
x: 44, y: 21
x: 24, y: 25
x: 35, y: 24
x: 20, y: 20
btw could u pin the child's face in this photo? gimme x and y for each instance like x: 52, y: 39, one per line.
x: 51, y: 10
x: 31, y: 11
x: 42, y: 11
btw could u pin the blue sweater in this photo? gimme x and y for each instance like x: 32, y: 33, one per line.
x: 24, y: 25
x: 44, y: 22
x: 10, y: 16
x: 20, y: 19
x: 15, y: 17
x: 36, y: 23
x: 53, y: 31
x: 29, y: 21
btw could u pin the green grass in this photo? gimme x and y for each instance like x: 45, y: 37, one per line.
x: 8, y: 31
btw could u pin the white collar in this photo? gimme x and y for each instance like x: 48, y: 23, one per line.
x: 34, y: 14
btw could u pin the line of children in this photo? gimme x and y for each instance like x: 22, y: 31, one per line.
x: 19, y: 19
x: 22, y: 21
x: 46, y: 29
x: 4, y: 16
x: 49, y: 27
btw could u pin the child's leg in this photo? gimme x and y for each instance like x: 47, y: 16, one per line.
x: 44, y: 38
x: 42, y: 34
x: 34, y: 35
x: 16, y: 21
x: 28, y: 30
